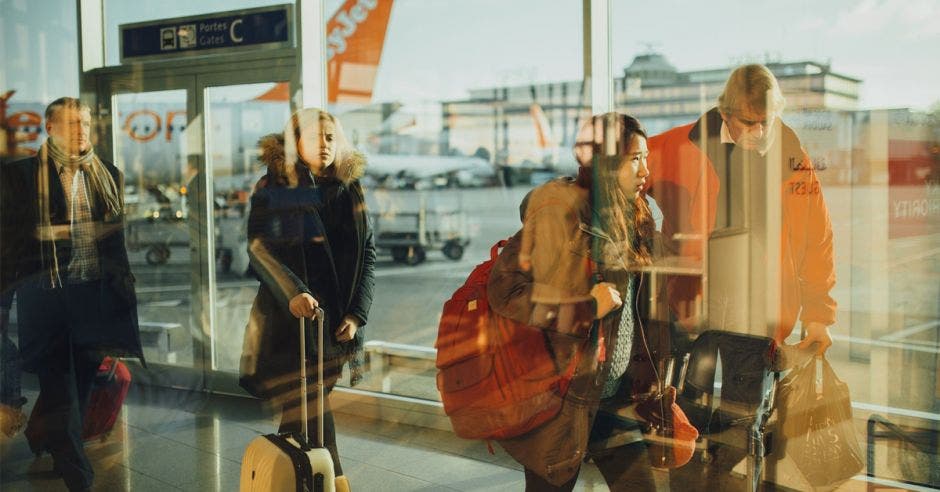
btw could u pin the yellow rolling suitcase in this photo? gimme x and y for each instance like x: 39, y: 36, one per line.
x: 286, y: 462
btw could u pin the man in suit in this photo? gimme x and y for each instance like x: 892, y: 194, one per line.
x: 63, y: 253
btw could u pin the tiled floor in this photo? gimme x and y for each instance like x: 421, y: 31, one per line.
x: 178, y: 440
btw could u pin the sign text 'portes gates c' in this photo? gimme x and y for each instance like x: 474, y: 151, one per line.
x: 236, y: 30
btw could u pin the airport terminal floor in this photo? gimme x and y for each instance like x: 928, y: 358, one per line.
x: 180, y: 440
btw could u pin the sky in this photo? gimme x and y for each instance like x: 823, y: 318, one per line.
x: 439, y: 49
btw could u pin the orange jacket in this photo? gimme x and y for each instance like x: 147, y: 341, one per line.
x: 807, y: 273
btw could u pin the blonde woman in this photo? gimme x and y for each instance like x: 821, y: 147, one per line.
x: 310, y: 243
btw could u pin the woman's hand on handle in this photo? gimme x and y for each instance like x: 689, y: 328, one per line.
x: 347, y: 329
x: 607, y: 297
x: 303, y: 305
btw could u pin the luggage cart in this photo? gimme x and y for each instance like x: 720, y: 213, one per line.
x: 408, y: 236
x: 157, y: 235
x: 163, y: 226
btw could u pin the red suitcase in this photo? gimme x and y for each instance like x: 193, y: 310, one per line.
x: 107, y: 396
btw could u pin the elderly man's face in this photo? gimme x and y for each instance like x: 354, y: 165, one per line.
x: 749, y: 128
x: 71, y: 130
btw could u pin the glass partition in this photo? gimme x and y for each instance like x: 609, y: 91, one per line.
x: 236, y: 117
x: 829, y: 217
x: 457, y: 128
x: 872, y: 140
x: 151, y: 149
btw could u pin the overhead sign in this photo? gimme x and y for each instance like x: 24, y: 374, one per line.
x: 266, y: 27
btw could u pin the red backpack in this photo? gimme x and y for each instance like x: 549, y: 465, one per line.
x: 496, y: 376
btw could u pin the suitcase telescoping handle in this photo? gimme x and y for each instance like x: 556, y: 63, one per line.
x: 318, y: 316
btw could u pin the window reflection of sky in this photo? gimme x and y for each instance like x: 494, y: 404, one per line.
x: 521, y: 42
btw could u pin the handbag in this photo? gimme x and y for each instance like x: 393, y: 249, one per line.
x: 667, y: 430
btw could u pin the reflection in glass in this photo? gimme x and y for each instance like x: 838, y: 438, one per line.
x: 151, y: 149
x: 236, y: 118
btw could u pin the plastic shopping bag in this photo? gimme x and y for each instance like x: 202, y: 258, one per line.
x: 817, y: 428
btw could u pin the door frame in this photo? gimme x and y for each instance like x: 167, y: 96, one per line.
x: 217, y: 380
x: 194, y: 76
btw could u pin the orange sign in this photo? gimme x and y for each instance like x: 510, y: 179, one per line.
x: 26, y: 125
x: 142, y: 125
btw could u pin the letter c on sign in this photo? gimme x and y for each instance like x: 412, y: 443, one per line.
x: 231, y: 31
x: 131, y: 130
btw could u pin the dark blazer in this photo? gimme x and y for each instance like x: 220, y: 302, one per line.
x: 27, y: 261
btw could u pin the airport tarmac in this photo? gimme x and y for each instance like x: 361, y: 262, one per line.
x: 408, y: 299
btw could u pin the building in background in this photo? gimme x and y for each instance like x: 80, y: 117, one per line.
x: 535, y: 125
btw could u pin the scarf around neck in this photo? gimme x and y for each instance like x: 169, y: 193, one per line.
x: 101, y: 183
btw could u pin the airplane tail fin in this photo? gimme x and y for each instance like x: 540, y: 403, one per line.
x: 355, y: 37
x: 543, y: 130
x: 548, y: 147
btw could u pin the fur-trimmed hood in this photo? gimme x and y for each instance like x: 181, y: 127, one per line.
x: 349, y: 165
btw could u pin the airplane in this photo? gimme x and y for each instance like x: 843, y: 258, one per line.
x: 426, y: 172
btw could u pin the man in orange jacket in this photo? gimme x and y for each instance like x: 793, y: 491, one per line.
x: 699, y: 171
x: 710, y: 179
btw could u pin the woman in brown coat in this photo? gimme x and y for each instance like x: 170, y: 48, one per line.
x: 571, y: 277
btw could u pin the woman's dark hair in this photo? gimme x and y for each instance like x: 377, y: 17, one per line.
x: 627, y: 221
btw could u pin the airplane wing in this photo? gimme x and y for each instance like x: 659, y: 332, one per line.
x: 467, y: 170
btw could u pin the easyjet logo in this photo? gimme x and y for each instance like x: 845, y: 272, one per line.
x: 348, y: 20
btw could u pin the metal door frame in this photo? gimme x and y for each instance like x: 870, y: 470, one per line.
x: 194, y: 75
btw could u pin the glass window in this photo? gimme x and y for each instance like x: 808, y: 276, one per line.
x: 237, y: 116
x: 40, y: 63
x: 870, y: 131
x: 459, y: 128
x: 150, y: 149
x: 815, y: 214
